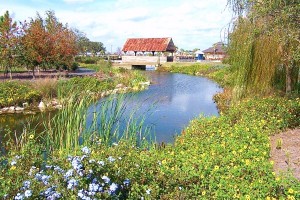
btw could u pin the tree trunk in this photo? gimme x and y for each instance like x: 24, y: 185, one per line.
x: 33, y: 74
x: 288, y: 79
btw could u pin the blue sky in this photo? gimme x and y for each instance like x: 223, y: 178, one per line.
x: 191, y: 23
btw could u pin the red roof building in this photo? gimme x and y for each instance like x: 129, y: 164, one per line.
x: 149, y: 45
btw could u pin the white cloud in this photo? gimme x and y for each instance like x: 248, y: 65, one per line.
x: 78, y: 1
x: 191, y: 24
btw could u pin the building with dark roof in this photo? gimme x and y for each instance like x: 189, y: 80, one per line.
x: 216, y: 52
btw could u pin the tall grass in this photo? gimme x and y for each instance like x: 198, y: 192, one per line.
x: 47, y: 87
x: 72, y: 127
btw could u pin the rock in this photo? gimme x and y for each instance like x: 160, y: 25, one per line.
x: 25, y: 105
x: 5, y: 109
x: 145, y: 83
x: 119, y: 85
x: 19, y: 108
x: 29, y: 113
x: 11, y: 109
x: 41, y: 105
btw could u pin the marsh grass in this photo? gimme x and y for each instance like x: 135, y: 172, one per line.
x: 71, y: 127
x: 47, y: 87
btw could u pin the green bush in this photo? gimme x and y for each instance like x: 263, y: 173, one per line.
x: 84, y: 84
x: 223, y: 157
x: 14, y: 93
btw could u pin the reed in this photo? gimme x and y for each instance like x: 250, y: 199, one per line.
x: 71, y: 127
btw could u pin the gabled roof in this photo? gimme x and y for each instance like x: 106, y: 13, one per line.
x: 149, y: 44
x: 216, y: 48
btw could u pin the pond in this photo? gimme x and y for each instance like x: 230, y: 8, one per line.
x: 168, y: 105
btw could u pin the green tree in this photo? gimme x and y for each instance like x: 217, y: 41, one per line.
x: 264, y: 45
x: 8, y: 42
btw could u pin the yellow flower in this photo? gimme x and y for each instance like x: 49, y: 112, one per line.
x: 216, y: 167
x: 268, y: 198
x: 291, y: 191
x: 247, y: 197
x: 203, y: 192
x: 248, y: 162
x: 289, y: 197
x: 13, y: 167
x: 31, y: 136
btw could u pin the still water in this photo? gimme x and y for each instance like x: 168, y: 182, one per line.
x: 170, y: 102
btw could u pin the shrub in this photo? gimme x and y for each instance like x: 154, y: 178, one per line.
x: 14, y: 93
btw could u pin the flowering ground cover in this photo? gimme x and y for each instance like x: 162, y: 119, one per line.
x: 226, y: 157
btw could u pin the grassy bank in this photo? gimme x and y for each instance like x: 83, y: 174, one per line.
x: 224, y: 157
x: 16, y: 92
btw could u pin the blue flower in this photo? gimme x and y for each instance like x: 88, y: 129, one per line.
x: 105, y: 179
x: 68, y: 174
x: 83, y: 195
x: 50, y: 193
x: 19, y: 196
x: 86, y: 150
x: 28, y: 193
x: 72, y: 184
x: 48, y: 166
x: 93, y: 187
x: 42, y: 177
x: 126, y: 182
x: 26, y: 184
x: 113, y: 187
x: 58, y: 169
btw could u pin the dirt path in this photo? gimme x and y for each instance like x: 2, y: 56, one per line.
x: 288, y: 156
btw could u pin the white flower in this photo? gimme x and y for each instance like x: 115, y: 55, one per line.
x: 28, y: 193
x: 101, y: 163
x: 111, y: 159
x: 13, y: 162
x: 148, y: 191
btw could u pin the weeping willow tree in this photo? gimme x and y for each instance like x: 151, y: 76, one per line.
x: 264, y: 46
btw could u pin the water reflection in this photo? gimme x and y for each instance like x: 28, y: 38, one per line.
x: 168, y: 105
